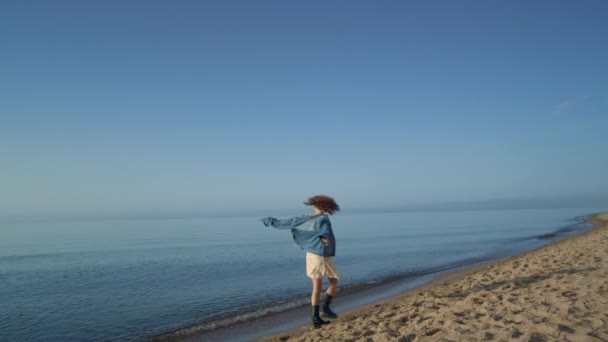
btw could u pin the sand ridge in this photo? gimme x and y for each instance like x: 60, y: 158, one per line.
x: 558, y: 292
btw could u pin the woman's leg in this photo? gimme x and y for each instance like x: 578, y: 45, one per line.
x: 329, y: 294
x: 317, y: 285
x: 333, y: 284
x: 314, y: 301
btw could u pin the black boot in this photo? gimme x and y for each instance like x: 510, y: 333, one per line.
x: 326, y: 310
x: 317, y: 322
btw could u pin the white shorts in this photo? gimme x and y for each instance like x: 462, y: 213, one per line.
x: 321, y: 267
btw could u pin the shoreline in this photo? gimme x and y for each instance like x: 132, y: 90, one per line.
x: 247, y: 326
x: 415, y: 315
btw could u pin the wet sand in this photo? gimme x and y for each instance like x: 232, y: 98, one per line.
x: 558, y: 292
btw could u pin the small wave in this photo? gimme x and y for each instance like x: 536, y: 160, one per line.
x: 580, y: 225
x: 233, y: 318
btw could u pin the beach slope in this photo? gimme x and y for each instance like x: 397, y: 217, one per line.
x: 558, y: 292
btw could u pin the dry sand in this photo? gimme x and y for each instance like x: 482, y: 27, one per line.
x: 558, y: 292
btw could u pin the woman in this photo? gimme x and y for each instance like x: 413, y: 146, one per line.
x: 313, y: 234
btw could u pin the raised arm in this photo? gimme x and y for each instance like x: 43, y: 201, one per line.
x: 279, y: 224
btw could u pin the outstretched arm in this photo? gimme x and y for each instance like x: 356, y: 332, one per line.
x: 277, y: 223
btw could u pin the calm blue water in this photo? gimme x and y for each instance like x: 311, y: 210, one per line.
x: 126, y: 280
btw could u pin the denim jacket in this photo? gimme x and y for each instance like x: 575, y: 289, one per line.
x: 307, y: 232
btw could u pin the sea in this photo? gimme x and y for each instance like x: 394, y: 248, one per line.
x: 136, y: 280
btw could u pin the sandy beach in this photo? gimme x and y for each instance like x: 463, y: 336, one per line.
x: 558, y: 292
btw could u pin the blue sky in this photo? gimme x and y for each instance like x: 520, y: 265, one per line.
x: 115, y: 106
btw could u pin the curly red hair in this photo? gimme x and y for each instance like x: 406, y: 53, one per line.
x: 324, y: 203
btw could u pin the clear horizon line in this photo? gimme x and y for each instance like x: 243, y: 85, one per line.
x: 596, y: 200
